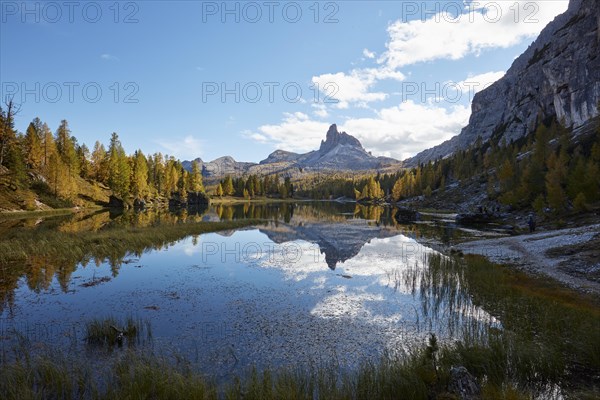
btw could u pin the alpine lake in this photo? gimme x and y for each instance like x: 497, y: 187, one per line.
x: 287, y: 286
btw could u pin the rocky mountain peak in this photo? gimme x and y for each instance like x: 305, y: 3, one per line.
x: 338, y: 152
x: 335, y: 138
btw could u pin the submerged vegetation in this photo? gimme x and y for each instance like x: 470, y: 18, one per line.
x: 112, y: 331
x: 541, y: 341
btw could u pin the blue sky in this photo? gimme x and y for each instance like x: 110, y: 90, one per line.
x: 398, y: 75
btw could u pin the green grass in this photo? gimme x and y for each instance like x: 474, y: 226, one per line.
x: 112, y: 331
x: 133, y: 375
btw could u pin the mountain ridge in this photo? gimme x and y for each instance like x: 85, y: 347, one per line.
x: 339, y: 151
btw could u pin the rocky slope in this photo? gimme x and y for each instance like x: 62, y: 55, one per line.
x: 338, y: 152
x: 557, y: 76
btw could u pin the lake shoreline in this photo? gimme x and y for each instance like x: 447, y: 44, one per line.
x: 560, y: 254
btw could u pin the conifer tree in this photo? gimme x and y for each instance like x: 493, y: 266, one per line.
x: 66, y: 148
x: 139, y: 176
x: 48, y: 143
x: 83, y: 159
x: 397, y: 190
x: 228, y: 186
x: 555, y: 179
x: 34, y: 153
x: 196, y: 178
x: 183, y: 185
x: 99, y: 163
x: 8, y: 135
x: 118, y: 168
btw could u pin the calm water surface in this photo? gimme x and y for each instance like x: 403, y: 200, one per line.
x: 314, y: 284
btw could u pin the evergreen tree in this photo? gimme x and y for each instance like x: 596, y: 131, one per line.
x: 555, y: 179
x: 14, y: 162
x: 397, y: 192
x: 34, y: 152
x: 139, y: 176
x: 48, y: 143
x: 219, y: 191
x: 228, y: 186
x: 172, y: 176
x: 183, y: 185
x: 196, y: 178
x: 99, y: 163
x: 83, y: 159
x: 66, y: 148
x: 118, y: 168
x: 8, y: 135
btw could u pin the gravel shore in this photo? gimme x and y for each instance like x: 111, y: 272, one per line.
x: 568, y: 255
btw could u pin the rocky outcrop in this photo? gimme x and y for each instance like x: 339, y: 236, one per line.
x: 335, y: 138
x: 341, y: 151
x: 558, y: 76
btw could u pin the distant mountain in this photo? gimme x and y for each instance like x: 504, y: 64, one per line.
x: 281, y: 156
x: 558, y: 76
x: 221, y: 166
x: 341, y: 151
x: 338, y: 152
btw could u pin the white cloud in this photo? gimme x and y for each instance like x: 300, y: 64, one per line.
x: 297, y: 132
x: 398, y: 132
x: 342, y: 89
x: 187, y: 148
x: 109, y: 57
x: 482, y: 25
x: 320, y: 110
x: 406, y: 129
x: 368, y: 54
